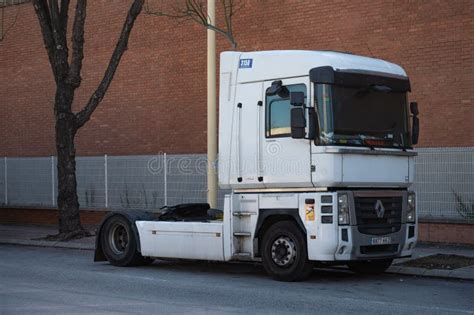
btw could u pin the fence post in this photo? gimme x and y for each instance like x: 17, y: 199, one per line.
x: 166, y: 178
x: 53, y: 193
x: 6, y: 180
x: 106, y: 182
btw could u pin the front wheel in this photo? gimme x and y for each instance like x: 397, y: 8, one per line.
x: 119, y: 243
x: 284, y: 252
x: 370, y: 267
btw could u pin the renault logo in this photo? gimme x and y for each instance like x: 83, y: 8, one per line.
x: 379, y: 208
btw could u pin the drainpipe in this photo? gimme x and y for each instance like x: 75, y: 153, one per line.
x: 211, y: 109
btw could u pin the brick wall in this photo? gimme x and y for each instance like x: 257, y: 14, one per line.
x: 157, y: 101
x: 446, y: 233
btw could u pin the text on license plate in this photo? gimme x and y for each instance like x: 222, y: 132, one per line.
x: 381, y: 240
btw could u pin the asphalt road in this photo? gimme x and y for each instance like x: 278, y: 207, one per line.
x: 47, y: 280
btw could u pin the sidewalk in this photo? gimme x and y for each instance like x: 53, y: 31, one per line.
x: 28, y: 234
x: 424, y: 250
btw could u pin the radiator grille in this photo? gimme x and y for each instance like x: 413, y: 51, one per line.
x: 368, y: 220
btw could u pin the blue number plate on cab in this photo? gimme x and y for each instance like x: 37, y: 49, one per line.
x: 381, y: 240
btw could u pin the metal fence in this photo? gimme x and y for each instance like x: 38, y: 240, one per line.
x: 108, y: 182
x: 444, y: 182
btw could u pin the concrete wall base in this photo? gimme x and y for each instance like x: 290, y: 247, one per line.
x: 453, y: 233
x: 46, y: 216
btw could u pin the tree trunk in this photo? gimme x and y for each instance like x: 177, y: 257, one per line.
x: 68, y: 204
x: 53, y: 20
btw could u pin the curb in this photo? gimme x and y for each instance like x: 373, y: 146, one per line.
x: 48, y: 244
x: 458, y: 274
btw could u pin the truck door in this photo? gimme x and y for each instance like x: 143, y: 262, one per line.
x: 245, y: 150
x: 285, y: 162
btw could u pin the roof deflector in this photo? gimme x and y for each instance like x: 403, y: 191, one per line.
x: 359, y: 78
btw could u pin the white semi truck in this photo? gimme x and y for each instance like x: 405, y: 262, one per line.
x: 317, y: 149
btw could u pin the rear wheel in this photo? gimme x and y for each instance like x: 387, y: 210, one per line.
x: 284, y: 252
x: 119, y: 243
x: 370, y: 267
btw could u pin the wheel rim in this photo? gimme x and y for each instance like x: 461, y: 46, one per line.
x: 283, y: 251
x: 118, y: 238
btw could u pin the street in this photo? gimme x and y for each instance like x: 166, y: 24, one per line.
x: 47, y: 280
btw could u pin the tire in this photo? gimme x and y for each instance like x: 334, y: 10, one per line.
x: 119, y: 243
x: 370, y: 267
x: 284, y: 252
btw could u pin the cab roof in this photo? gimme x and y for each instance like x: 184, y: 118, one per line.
x: 274, y: 64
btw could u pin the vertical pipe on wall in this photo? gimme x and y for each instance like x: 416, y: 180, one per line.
x: 165, y: 172
x: 106, y: 184
x: 211, y: 109
x: 53, y: 193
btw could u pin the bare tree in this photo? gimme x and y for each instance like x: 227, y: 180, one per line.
x: 53, y: 20
x: 195, y: 10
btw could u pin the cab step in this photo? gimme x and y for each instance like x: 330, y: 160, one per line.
x: 242, y: 234
x: 243, y: 214
x: 242, y: 255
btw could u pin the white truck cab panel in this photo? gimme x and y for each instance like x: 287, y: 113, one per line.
x: 361, y: 167
x: 250, y: 156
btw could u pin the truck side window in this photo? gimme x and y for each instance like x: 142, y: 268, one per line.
x: 277, y: 119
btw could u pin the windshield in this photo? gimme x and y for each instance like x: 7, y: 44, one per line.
x: 370, y: 116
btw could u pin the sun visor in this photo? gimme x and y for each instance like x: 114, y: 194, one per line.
x: 359, y: 78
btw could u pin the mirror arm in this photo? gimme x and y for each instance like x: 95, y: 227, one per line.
x: 314, y: 125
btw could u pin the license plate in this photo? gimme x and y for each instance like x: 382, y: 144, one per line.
x: 381, y: 240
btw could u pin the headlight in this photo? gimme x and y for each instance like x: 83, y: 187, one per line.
x: 343, y: 209
x: 411, y: 212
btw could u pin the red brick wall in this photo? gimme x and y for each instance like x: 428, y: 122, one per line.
x: 157, y: 101
x: 446, y: 233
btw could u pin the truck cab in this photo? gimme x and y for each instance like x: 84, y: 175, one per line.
x: 317, y: 149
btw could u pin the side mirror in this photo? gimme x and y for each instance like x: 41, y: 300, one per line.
x: 277, y: 88
x: 274, y: 88
x: 298, y: 123
x: 415, y: 126
x: 414, y: 108
x: 297, y: 98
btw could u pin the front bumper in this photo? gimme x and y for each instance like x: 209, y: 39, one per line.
x: 356, y: 241
x: 353, y: 245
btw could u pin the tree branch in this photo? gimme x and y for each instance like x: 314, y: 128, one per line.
x: 74, y: 76
x: 63, y: 16
x: 228, y: 35
x: 54, y: 36
x: 84, y: 115
x: 44, y: 19
x: 196, y: 11
x: 60, y: 39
